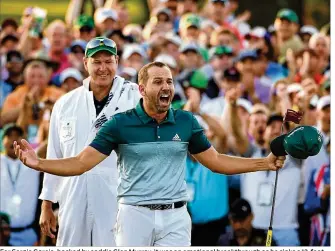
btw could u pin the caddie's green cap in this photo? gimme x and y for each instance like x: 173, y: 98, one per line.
x: 189, y: 20
x: 84, y: 20
x: 300, y: 143
x: 220, y: 50
x: 288, y: 14
x: 100, y: 44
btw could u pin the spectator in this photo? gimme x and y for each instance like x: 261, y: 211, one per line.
x: 286, y: 26
x: 257, y: 124
x: 221, y: 58
x: 306, y: 32
x: 77, y: 52
x: 253, y: 90
x: 84, y: 28
x: 70, y: 79
x: 134, y: 56
x: 189, y: 28
x: 8, y: 43
x: 25, y: 100
x: 242, y: 232
x: 14, y: 67
x: 190, y: 57
x: 19, y: 191
x: 257, y: 188
x: 105, y: 20
x: 9, y: 26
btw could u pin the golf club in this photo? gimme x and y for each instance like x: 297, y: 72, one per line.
x: 290, y: 116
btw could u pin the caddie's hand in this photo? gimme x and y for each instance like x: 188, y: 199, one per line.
x: 48, y: 221
x: 26, y: 154
x: 275, y: 163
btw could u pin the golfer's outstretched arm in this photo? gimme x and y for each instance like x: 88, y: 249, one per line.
x: 221, y: 163
x: 83, y: 162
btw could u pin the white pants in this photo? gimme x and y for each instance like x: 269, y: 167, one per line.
x: 141, y: 226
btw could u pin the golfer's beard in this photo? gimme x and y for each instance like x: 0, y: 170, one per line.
x: 241, y: 232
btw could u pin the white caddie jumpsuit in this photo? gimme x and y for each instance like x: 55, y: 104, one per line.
x: 87, y: 203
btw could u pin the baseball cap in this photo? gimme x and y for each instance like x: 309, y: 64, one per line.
x: 240, y: 209
x: 78, y: 43
x: 84, y: 21
x: 257, y: 32
x: 167, y: 59
x: 193, y: 78
x: 9, y: 128
x: 175, y: 39
x: 300, y: 143
x: 165, y: 11
x: 70, y: 73
x: 246, y: 104
x: 288, y: 14
x: 14, y: 56
x: 189, y: 47
x: 231, y: 74
x: 190, y: 20
x: 323, y: 102
x: 44, y: 58
x: 244, y: 54
x: 308, y: 29
x: 132, y: 49
x: 220, y: 50
x: 101, y: 14
x: 295, y: 87
x: 100, y: 44
x: 128, y: 71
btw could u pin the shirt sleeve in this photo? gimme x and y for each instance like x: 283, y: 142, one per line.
x: 198, y: 142
x: 107, y: 139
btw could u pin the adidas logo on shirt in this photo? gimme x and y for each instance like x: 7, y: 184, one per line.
x: 176, y: 138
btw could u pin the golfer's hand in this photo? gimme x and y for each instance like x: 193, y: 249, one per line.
x: 275, y: 163
x: 26, y: 154
x: 48, y: 221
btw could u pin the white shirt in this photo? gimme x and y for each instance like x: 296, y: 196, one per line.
x: 25, y: 186
x: 286, y: 205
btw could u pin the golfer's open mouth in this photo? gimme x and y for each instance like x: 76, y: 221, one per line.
x: 164, y: 98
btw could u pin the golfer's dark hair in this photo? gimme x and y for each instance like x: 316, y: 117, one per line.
x: 143, y: 75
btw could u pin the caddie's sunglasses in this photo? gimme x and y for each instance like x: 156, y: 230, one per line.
x: 100, y: 42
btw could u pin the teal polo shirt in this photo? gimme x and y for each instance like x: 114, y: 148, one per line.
x: 151, y: 155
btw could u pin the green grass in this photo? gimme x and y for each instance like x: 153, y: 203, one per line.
x: 57, y: 9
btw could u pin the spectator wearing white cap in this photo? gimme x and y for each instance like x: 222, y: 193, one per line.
x: 190, y: 56
x: 134, y: 31
x: 255, y: 37
x: 105, y: 19
x: 70, y: 79
x: 171, y: 45
x: 321, y: 45
x: 134, y: 56
x: 306, y: 32
x: 129, y: 74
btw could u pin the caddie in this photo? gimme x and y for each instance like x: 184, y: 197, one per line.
x: 87, y: 202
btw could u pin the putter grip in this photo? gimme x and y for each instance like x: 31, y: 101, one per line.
x: 269, y: 238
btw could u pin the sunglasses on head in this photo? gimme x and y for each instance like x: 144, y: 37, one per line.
x: 100, y: 42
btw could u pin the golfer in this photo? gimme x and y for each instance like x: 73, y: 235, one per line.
x: 86, y: 217
x: 152, y: 142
